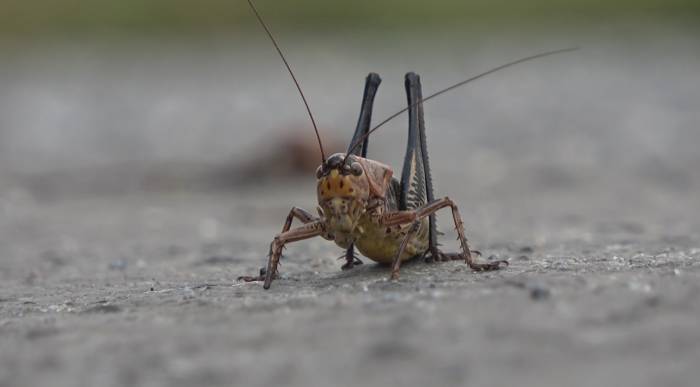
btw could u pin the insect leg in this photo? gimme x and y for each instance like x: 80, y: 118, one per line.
x: 397, y: 218
x: 396, y: 264
x: 363, y: 122
x: 413, y: 187
x: 306, y: 231
x: 351, y: 260
x: 417, y: 139
x: 296, y: 212
x: 299, y: 213
x: 414, y: 217
x: 459, y: 225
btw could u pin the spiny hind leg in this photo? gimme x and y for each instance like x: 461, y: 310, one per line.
x: 351, y: 260
x: 417, y: 133
x: 416, y: 179
x: 363, y: 122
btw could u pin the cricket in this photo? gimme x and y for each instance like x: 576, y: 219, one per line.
x: 361, y: 205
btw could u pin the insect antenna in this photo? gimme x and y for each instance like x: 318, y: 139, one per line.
x: 456, y: 85
x: 286, y: 64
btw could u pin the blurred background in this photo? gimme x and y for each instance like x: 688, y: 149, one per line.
x: 106, y: 96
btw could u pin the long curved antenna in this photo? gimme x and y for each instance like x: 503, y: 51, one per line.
x: 303, y: 98
x: 456, y: 85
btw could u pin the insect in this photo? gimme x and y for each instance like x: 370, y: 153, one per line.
x: 362, y: 206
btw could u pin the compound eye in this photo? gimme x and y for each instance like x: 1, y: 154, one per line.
x: 356, y: 169
x: 319, y: 171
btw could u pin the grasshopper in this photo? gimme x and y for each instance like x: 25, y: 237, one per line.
x: 362, y: 206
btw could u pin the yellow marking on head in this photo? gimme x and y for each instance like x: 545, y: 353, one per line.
x: 336, y: 185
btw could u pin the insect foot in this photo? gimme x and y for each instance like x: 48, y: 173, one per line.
x: 248, y: 278
x: 490, y: 266
x: 351, y: 263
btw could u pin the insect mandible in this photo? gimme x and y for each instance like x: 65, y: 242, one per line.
x: 362, y: 206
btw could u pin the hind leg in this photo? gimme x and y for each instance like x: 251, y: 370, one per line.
x: 417, y: 182
x: 363, y: 122
x: 417, y: 155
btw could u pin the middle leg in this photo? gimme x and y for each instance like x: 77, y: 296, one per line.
x: 427, y: 210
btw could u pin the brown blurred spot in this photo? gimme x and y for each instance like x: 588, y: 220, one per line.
x: 292, y: 155
x: 286, y: 156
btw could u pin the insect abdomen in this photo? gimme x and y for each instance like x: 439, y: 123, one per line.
x: 381, y: 244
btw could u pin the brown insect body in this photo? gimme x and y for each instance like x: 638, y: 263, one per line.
x: 352, y: 207
x: 362, y: 205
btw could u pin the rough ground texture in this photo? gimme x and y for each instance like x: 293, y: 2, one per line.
x: 583, y: 174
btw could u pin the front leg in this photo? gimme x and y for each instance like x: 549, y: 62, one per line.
x: 299, y: 213
x: 306, y: 231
